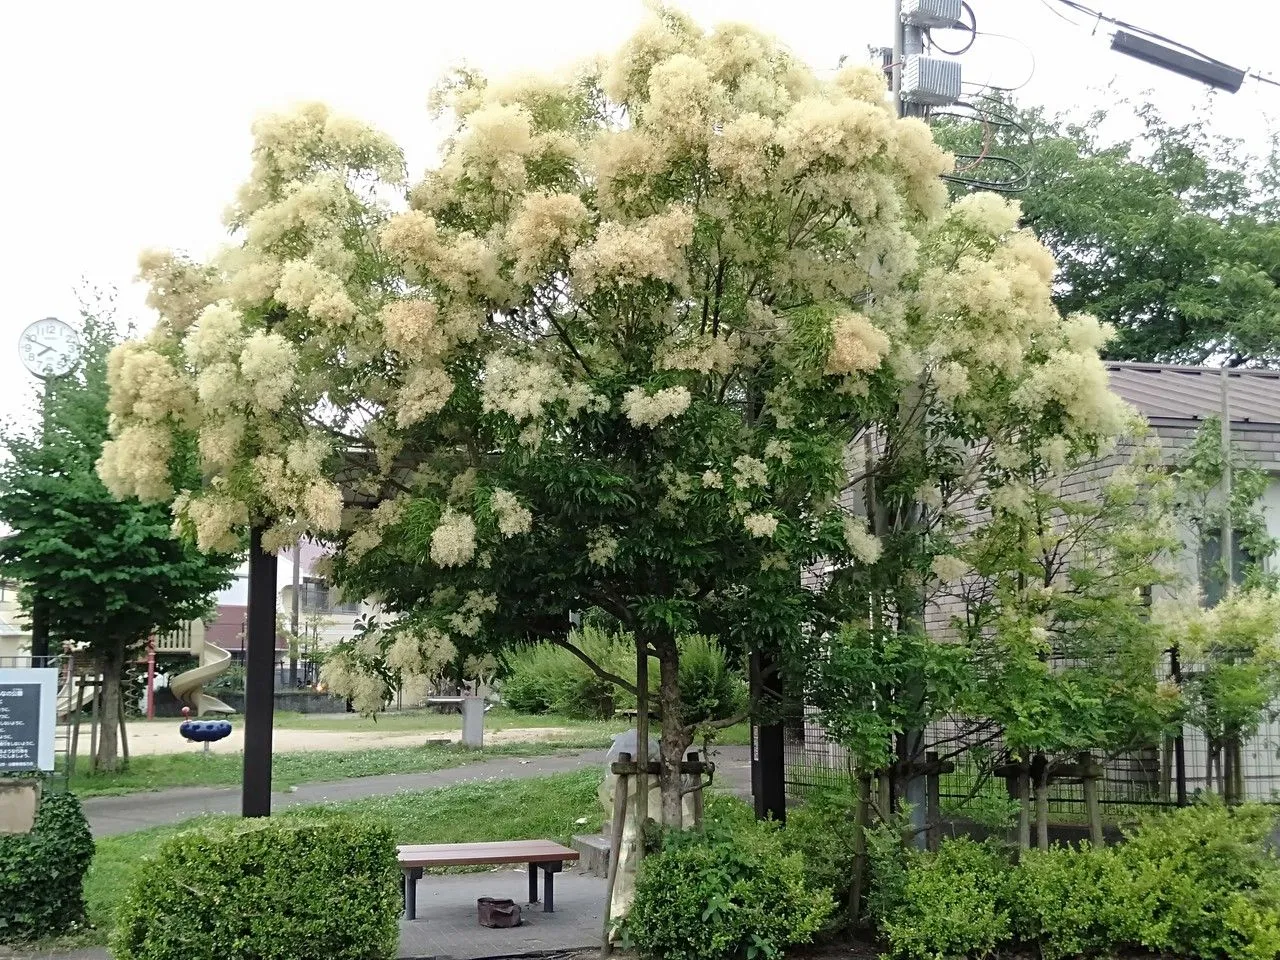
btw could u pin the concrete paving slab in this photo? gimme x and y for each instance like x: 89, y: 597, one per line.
x: 447, y: 924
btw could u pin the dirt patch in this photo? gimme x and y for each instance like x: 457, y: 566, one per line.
x: 151, y: 739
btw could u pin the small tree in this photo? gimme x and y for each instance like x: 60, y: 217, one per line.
x: 110, y: 573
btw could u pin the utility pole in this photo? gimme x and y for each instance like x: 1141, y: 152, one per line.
x: 917, y: 81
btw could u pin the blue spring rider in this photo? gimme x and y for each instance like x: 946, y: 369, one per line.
x: 203, y: 731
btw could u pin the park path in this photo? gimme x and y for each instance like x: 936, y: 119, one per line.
x: 137, y: 811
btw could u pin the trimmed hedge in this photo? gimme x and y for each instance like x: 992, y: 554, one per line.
x: 1197, y: 883
x: 722, y: 894
x: 42, y: 872
x: 279, y: 889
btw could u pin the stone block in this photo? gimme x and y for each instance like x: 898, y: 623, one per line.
x: 19, y: 800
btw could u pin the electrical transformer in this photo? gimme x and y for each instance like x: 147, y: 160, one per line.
x: 930, y: 80
x: 931, y: 13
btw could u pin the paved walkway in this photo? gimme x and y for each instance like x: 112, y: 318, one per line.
x: 137, y: 811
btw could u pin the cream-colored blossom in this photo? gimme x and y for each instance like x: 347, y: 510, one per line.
x: 322, y: 506
x: 135, y: 463
x: 217, y: 337
x: 682, y: 96
x: 305, y: 286
x: 747, y: 470
x: 513, y: 517
x: 779, y: 450
x: 425, y: 392
x: 544, y: 228
x: 219, y: 442
x: 987, y: 212
x: 268, y: 364
x: 952, y: 380
x: 760, y: 524
x: 744, y: 151
x: 522, y: 389
x: 602, y: 546
x: 145, y: 385
x: 217, y: 520
x: 712, y: 480
x: 703, y: 354
x: 646, y: 410
x: 863, y: 544
x: 858, y: 345
x: 368, y: 535
x: 177, y: 287
x: 929, y: 495
x: 625, y: 254
x: 453, y: 542
x: 949, y: 569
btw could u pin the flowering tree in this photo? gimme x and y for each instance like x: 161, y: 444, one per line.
x: 612, y: 355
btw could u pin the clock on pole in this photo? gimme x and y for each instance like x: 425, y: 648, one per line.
x: 49, y: 348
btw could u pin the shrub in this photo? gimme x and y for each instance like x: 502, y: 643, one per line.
x: 544, y: 678
x: 285, y: 889
x: 1205, y: 883
x: 948, y: 904
x: 1071, y: 902
x: 821, y: 831
x: 42, y: 872
x: 709, y: 690
x: 720, y: 894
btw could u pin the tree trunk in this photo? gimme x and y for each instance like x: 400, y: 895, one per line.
x: 112, y: 662
x: 675, y: 738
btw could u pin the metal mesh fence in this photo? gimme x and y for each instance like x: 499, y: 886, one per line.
x: 1174, y: 770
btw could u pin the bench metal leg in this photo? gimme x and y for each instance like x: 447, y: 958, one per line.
x: 533, y: 883
x: 549, y: 871
x: 411, y: 877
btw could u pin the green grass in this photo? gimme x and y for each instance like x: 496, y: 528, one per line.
x: 160, y: 772
x: 540, y: 807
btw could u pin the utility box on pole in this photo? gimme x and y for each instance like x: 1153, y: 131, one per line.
x: 931, y: 13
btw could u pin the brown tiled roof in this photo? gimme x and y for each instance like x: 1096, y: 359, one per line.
x: 1166, y: 393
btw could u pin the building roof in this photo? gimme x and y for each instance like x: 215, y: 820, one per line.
x: 1164, y: 393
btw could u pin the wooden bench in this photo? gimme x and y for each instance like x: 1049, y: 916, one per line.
x: 538, y: 854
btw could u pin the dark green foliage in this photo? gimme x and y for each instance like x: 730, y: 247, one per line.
x: 1195, y: 883
x: 949, y: 904
x: 42, y: 872
x: 721, y: 894
x: 284, y: 889
x: 547, y: 678
x: 709, y: 690
x: 821, y: 831
x: 1205, y: 883
x: 1073, y: 902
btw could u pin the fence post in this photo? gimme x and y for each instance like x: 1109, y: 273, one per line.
x: 621, y: 787
x: 1091, y: 773
x: 933, y: 799
x: 1179, y: 745
x: 1041, y: 770
x: 861, y: 819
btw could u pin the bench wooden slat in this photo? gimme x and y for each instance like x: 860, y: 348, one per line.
x: 474, y: 854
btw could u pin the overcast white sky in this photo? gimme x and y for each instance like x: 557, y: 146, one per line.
x: 127, y: 122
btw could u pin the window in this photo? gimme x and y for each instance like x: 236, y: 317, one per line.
x: 314, y: 596
x: 1212, y: 573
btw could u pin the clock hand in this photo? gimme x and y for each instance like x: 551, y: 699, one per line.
x: 44, y: 351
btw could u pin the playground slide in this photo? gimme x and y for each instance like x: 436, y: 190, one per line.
x: 214, y: 662
x: 68, y: 696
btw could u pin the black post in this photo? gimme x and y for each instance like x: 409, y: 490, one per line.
x: 768, y: 767
x: 1179, y: 746
x: 259, y: 680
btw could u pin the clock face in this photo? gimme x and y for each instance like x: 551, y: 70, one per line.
x: 49, y: 348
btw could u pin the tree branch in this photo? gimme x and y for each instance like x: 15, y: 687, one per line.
x: 595, y: 668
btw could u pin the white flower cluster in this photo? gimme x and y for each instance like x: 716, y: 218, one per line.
x: 602, y: 546
x: 760, y: 524
x: 949, y: 569
x: 513, y: 517
x: 626, y: 254
x: 863, y: 544
x: 522, y: 389
x: 649, y: 410
x: 467, y: 619
x: 453, y: 542
x: 748, y: 471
